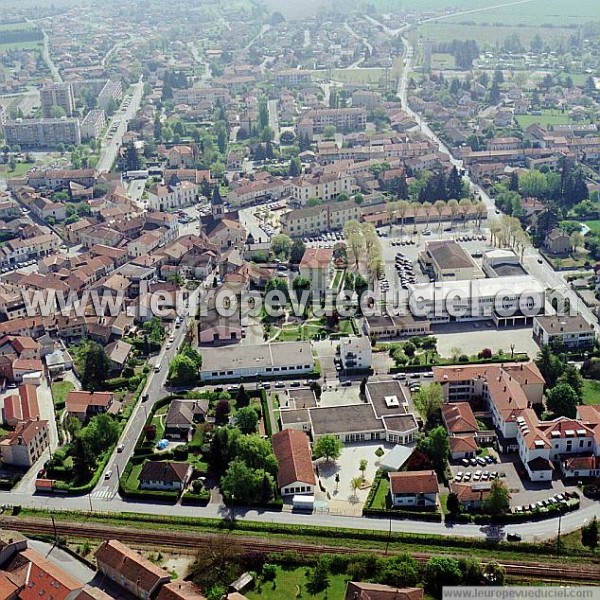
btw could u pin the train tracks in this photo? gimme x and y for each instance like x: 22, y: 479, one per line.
x: 182, y: 540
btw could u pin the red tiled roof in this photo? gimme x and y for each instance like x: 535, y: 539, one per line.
x: 459, y: 417
x: 180, y: 590
x: 375, y: 591
x: 130, y: 565
x: 293, y: 455
x: 463, y: 443
x: 316, y: 258
x: 77, y: 402
x: 414, y: 482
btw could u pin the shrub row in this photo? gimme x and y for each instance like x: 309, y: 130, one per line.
x: 192, y: 499
x: 397, y: 513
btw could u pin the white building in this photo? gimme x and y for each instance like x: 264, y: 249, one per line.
x: 505, y: 300
x: 165, y: 197
x: 251, y: 361
x: 356, y: 353
x: 24, y: 446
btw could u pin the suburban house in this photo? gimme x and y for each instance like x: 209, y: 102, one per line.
x: 376, y: 591
x: 572, y: 332
x: 118, y: 352
x: 356, y: 353
x: 470, y: 496
x: 164, y: 476
x: 85, y: 405
x: 316, y: 266
x: 414, y: 489
x: 292, y: 451
x: 129, y: 570
x: 182, y: 418
x: 459, y: 418
x: 24, y: 446
x: 558, y: 242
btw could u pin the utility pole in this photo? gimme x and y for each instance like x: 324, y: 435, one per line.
x: 55, y: 534
x: 558, y: 536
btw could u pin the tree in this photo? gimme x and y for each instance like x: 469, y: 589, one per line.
x: 101, y: 433
x: 409, y: 349
x: 549, y: 365
x: 572, y: 377
x: 329, y: 132
x: 73, y: 426
x: 589, y: 534
x: 56, y: 112
x: 498, y: 500
x: 533, y: 183
x: 242, y: 398
x: 315, y: 386
x: 328, y: 447
x: 218, y: 563
x: 150, y: 432
x: 453, y: 504
x: 429, y: 400
x: 297, y: 251
x: 400, y: 571
x: 363, y: 467
x: 222, y: 410
x: 300, y: 284
x: 436, y: 445
x: 132, y: 158
x: 355, y: 484
x: 281, y: 246
x: 295, y: 168
x: 494, y: 573
x: 95, y: 367
x: 562, y: 400
x: 440, y: 572
x: 472, y: 573
x: 83, y: 457
x: 182, y: 370
x: 245, y: 483
x: 246, y: 419
x: 318, y: 577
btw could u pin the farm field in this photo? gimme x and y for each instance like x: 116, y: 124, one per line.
x: 487, y: 33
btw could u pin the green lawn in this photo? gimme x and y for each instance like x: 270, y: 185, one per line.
x: 548, y: 117
x: 593, y: 225
x: 60, y: 389
x: 443, y: 61
x: 352, y: 76
x: 20, y: 170
x: 287, y: 584
x: 591, y: 392
x: 382, y: 494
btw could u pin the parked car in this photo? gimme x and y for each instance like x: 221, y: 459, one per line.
x: 514, y: 537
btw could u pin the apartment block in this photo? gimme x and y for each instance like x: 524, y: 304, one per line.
x: 43, y: 133
x: 57, y: 94
x: 93, y: 124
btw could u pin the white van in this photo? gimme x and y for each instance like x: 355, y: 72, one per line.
x: 157, y: 368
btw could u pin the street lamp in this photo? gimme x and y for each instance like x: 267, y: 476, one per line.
x: 232, y: 509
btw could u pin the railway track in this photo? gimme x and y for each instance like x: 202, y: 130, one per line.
x: 530, y: 570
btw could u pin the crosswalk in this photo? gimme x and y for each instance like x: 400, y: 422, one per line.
x: 103, y: 495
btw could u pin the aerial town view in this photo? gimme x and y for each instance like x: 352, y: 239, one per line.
x: 299, y: 299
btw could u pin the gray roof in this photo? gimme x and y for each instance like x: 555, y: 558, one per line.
x: 449, y: 255
x: 353, y: 418
x: 259, y: 356
x: 294, y: 417
x: 401, y: 423
x: 379, y: 391
x: 556, y: 324
x: 182, y: 412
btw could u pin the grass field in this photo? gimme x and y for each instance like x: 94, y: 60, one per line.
x: 443, y: 61
x: 60, y: 389
x: 548, y: 117
x: 288, y: 582
x: 20, y: 46
x: 352, y: 76
x: 13, y: 26
x: 487, y: 34
x: 20, y: 170
x: 593, y: 225
x: 591, y: 392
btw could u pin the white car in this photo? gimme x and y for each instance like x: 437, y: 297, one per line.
x: 108, y: 474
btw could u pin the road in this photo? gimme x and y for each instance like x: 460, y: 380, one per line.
x: 110, y: 147
x: 274, y: 120
x: 364, y: 40
x: 48, y: 60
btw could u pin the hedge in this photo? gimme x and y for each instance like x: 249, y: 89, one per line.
x: 396, y: 513
x: 192, y: 499
x: 521, y: 357
x: 149, y: 495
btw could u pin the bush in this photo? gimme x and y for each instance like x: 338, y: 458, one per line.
x: 181, y: 452
x: 463, y: 358
x: 486, y: 353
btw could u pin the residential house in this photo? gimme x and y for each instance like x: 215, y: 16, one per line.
x: 182, y: 418
x: 180, y: 590
x: 85, y: 405
x: 129, y: 570
x: 471, y: 496
x: 164, y: 476
x: 558, y: 242
x: 317, y: 219
x: 118, y: 352
x: 463, y: 446
x: 316, y: 266
x: 375, y: 591
x: 174, y: 195
x: 23, y: 446
x: 22, y: 406
x: 415, y: 489
x: 292, y: 451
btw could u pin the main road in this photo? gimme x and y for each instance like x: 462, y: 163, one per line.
x: 111, y: 145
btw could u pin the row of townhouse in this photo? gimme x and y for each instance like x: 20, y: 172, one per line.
x: 377, y: 153
x: 323, y: 187
x: 320, y: 218
x: 510, y: 391
x: 17, y: 250
x: 245, y: 192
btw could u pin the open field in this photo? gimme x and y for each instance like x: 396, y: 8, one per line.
x: 548, y: 117
x: 12, y: 26
x: 443, y: 61
x: 487, y: 33
x: 20, y: 170
x: 352, y: 76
